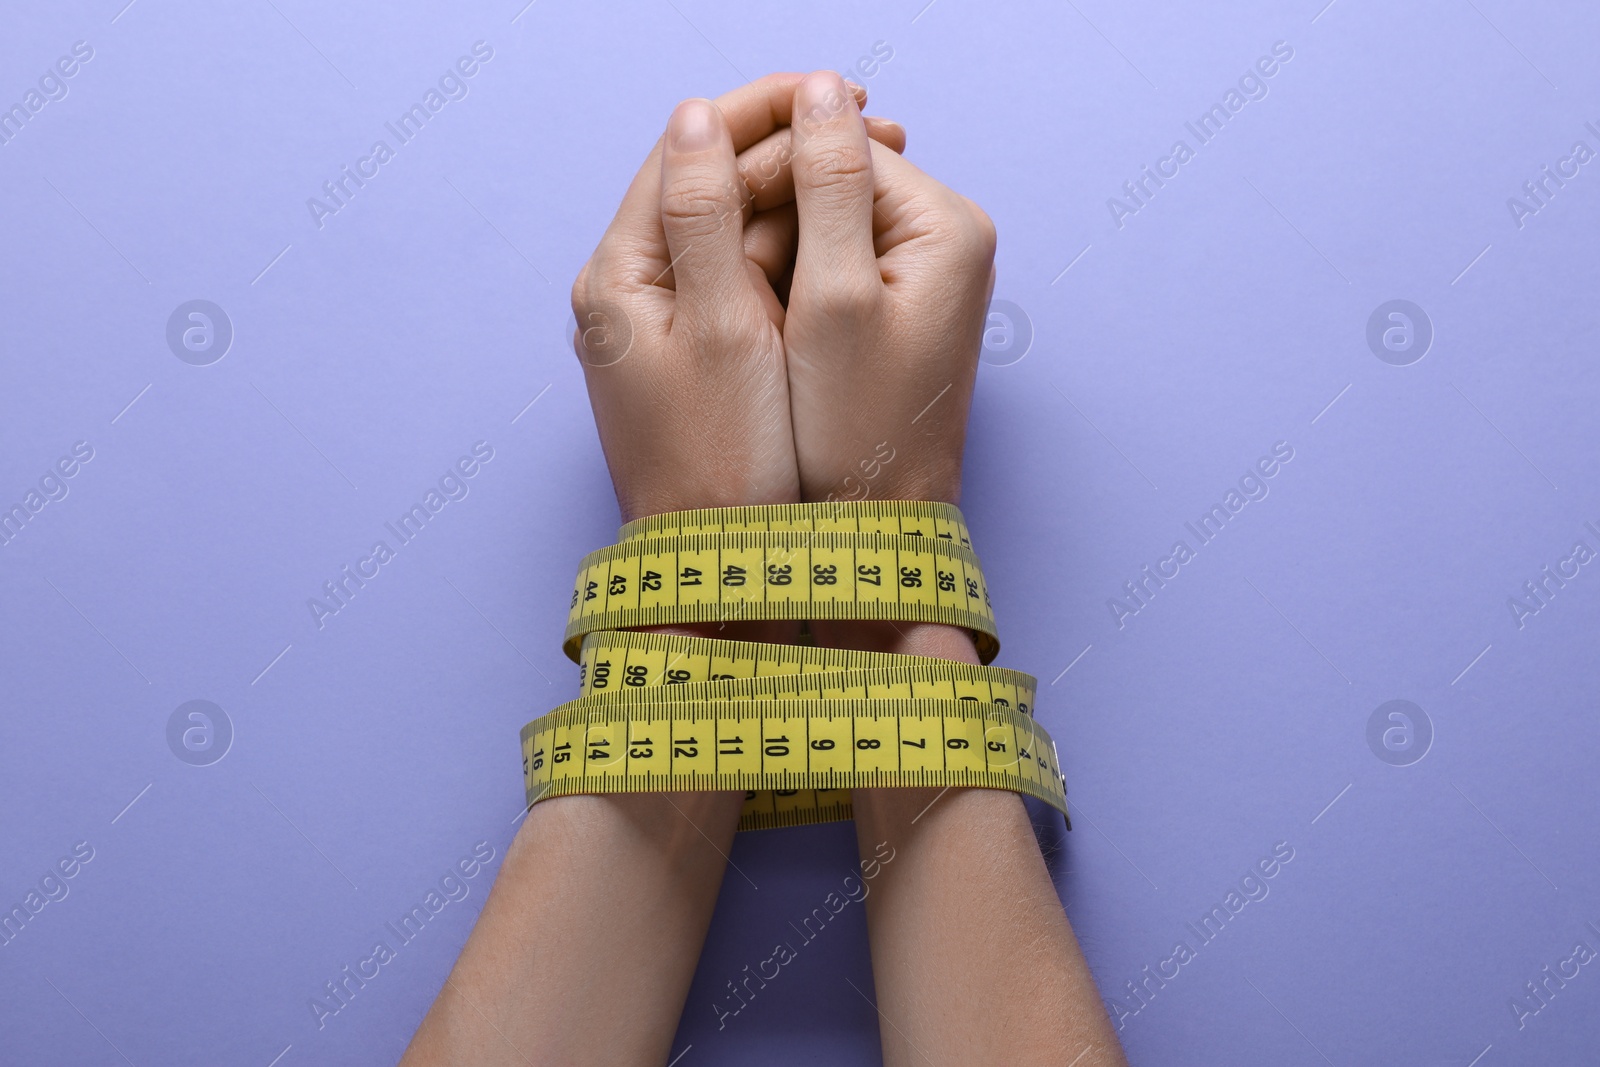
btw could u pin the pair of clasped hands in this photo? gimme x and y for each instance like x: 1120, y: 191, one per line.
x: 779, y: 298
x: 783, y: 310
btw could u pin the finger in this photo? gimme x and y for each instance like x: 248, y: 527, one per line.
x: 769, y: 175
x: 901, y: 192
x: 767, y: 171
x: 701, y: 212
x: 633, y: 248
x: 833, y: 184
x: 769, y: 183
x: 929, y: 225
x: 753, y: 111
x: 886, y: 132
x: 769, y: 241
x: 769, y: 244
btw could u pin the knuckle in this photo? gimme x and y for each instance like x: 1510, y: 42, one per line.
x: 580, y: 288
x: 722, y: 333
x: 697, y: 206
x: 604, y: 334
x: 602, y: 328
x: 983, y: 230
x: 971, y: 229
x: 832, y: 166
x: 849, y: 299
x: 762, y: 167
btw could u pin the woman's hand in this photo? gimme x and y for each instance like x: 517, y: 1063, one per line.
x: 679, y: 323
x: 885, y: 321
x: 884, y: 326
x: 709, y: 390
x: 886, y: 312
x: 605, y: 900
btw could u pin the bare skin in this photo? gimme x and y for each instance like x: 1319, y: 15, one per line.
x: 972, y: 955
x: 605, y: 900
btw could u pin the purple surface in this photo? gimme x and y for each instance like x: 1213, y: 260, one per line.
x: 1226, y: 314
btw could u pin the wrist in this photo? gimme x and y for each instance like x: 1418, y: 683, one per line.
x: 931, y: 639
x: 652, y: 830
x: 765, y: 631
x: 714, y: 489
x: 880, y: 813
x: 762, y: 631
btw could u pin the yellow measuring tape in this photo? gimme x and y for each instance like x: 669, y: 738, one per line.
x: 795, y: 727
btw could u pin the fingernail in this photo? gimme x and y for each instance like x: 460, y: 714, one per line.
x: 889, y: 124
x: 856, y: 90
x: 693, y: 126
x: 823, y: 82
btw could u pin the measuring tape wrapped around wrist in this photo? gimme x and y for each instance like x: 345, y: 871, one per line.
x: 796, y: 727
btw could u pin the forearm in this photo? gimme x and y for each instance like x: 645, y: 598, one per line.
x: 972, y: 954
x: 601, y: 901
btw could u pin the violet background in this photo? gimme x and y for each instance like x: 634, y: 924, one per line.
x: 1167, y: 355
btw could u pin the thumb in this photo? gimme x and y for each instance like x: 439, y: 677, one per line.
x: 702, y: 202
x: 832, y: 186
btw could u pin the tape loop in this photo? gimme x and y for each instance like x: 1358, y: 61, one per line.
x: 796, y: 727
